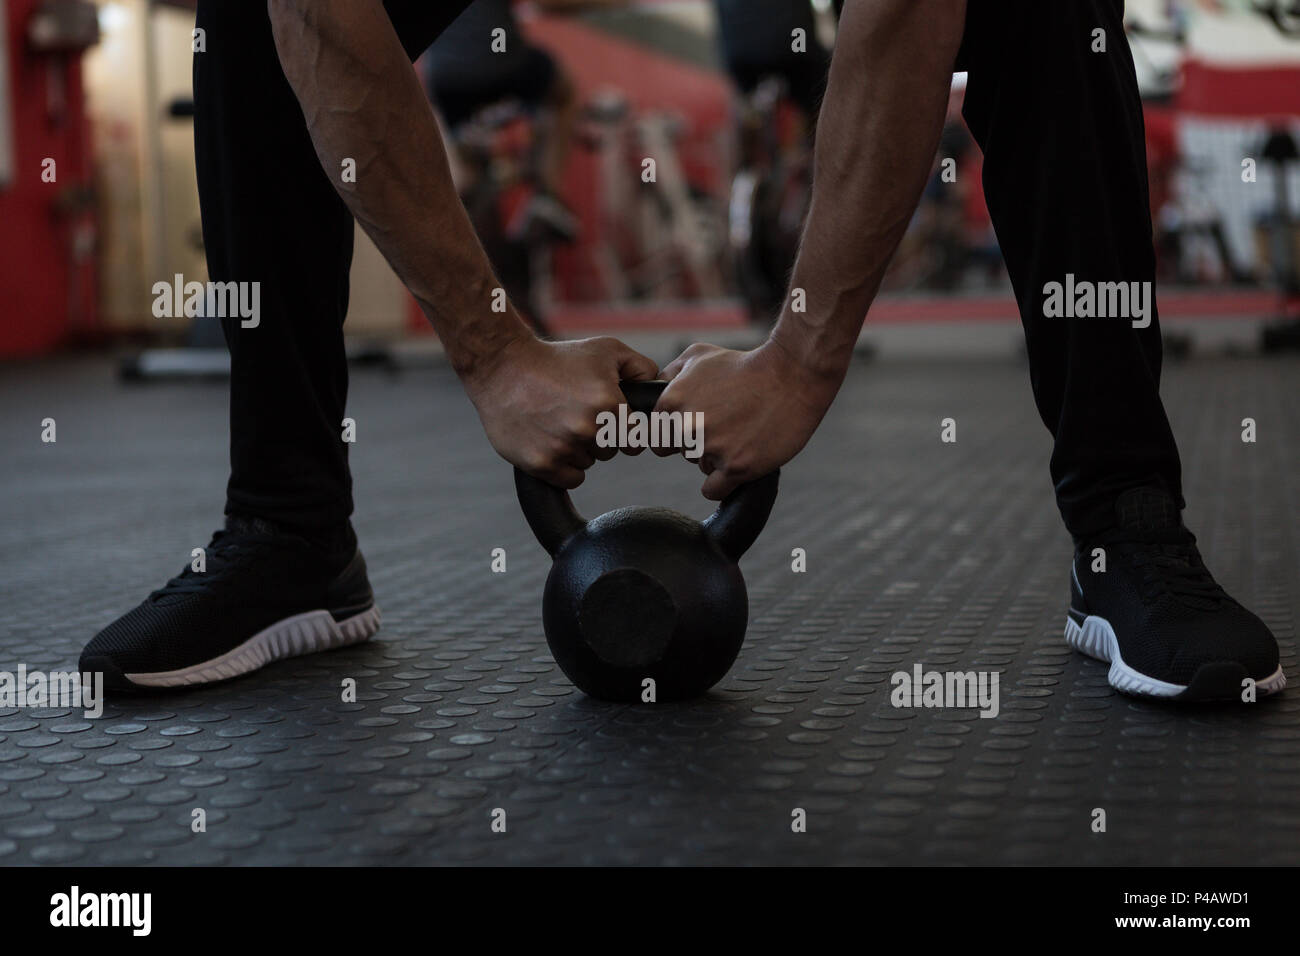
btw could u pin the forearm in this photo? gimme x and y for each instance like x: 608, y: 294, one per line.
x: 879, y: 128
x: 363, y: 102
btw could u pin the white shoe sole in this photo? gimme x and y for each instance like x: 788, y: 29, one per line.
x: 1096, y: 638
x: 304, y: 633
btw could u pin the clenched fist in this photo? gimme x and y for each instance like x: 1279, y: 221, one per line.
x: 538, y: 402
x: 759, y: 409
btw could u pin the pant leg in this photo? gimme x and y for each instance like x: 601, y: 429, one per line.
x: 271, y: 215
x: 1065, y: 178
x: 419, y: 22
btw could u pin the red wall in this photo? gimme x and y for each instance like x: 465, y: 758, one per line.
x: 650, y: 80
x: 35, y: 271
x: 1267, y: 90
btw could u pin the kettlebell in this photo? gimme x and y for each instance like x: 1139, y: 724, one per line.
x: 645, y: 592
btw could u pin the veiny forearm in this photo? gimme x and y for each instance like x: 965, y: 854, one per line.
x: 363, y: 102
x: 876, y: 139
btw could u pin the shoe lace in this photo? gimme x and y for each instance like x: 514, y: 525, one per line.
x: 1170, y: 563
x: 221, y: 555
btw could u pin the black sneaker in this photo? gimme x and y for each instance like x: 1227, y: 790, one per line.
x: 263, y: 596
x: 1158, y: 617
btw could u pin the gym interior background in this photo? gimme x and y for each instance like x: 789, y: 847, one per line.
x: 915, y: 551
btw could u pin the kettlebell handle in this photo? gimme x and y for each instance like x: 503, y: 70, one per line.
x: 734, y: 526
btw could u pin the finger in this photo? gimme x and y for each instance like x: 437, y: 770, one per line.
x: 581, y: 456
x: 718, y: 485
x: 678, y: 365
x: 566, y: 478
x: 696, y: 459
x: 635, y: 367
x: 673, y: 368
x: 605, y: 452
x: 667, y: 448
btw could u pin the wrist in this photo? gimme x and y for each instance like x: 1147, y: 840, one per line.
x: 812, y: 388
x: 492, y: 349
x: 820, y: 365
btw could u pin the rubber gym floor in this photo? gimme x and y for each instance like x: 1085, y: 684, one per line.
x: 947, y: 555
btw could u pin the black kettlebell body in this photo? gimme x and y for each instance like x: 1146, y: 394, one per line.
x: 645, y: 593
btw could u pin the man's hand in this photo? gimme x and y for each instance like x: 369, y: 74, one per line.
x: 539, y: 400
x: 759, y: 409
x: 885, y: 103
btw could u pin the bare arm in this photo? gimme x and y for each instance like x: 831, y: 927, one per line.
x: 362, y: 101
x: 879, y: 127
x: 538, y: 401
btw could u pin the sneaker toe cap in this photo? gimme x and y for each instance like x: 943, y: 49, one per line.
x: 1233, y: 636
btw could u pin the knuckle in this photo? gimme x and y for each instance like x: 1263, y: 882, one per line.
x: 669, y: 401
x: 736, y: 468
